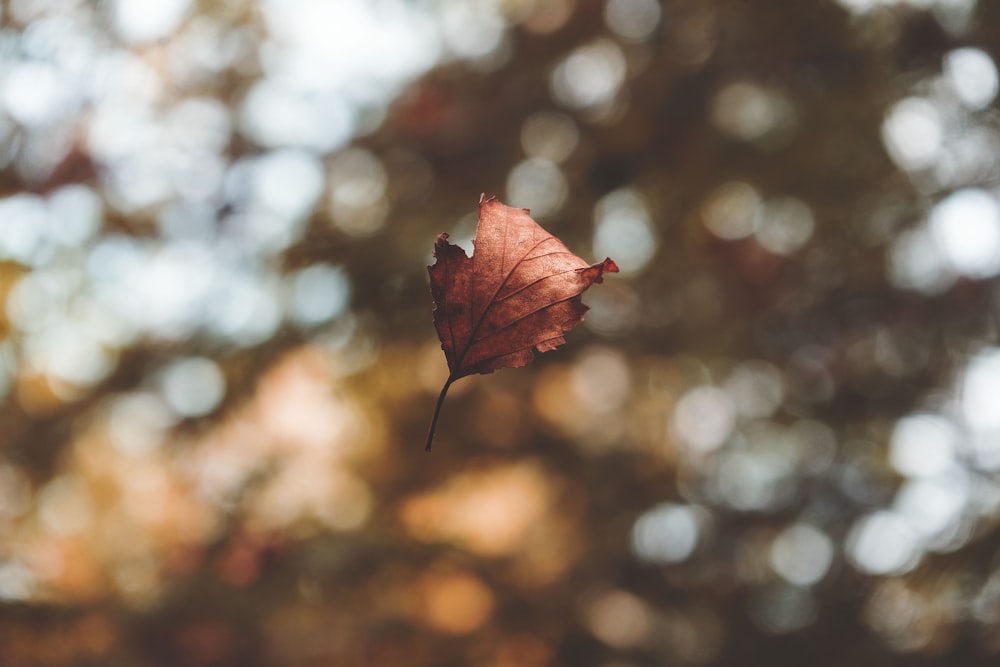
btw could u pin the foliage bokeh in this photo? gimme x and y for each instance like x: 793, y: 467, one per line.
x: 775, y: 440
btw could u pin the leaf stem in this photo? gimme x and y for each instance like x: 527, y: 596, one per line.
x: 437, y: 411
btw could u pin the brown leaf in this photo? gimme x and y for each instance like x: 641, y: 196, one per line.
x: 519, y: 291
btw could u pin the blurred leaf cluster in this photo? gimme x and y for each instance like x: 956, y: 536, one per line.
x: 776, y: 440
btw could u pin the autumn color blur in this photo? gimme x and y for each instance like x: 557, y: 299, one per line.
x: 775, y: 440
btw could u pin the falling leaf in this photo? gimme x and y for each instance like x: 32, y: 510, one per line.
x: 519, y: 291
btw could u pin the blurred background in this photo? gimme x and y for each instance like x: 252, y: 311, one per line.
x: 775, y: 440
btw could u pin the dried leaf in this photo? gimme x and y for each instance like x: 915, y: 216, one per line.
x: 519, y: 291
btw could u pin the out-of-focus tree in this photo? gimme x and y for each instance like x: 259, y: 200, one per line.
x: 775, y: 441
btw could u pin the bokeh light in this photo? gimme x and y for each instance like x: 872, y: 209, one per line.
x: 923, y: 445
x: 550, y: 136
x: 703, y: 418
x: 667, y: 533
x: 729, y: 211
x: 966, y: 227
x: 193, y: 387
x: 634, y: 20
x: 748, y: 112
x: 624, y: 230
x: 784, y: 225
x: 883, y: 543
x: 913, y: 134
x: 590, y: 77
x: 619, y: 619
x: 802, y: 554
x: 539, y: 185
x: 973, y: 75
